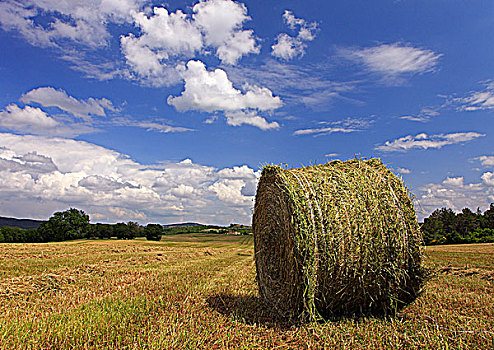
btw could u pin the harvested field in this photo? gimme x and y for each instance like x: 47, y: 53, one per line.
x: 199, y: 291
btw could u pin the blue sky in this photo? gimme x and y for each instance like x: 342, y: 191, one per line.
x: 166, y: 111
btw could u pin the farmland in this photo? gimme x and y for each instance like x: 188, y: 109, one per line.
x: 199, y: 291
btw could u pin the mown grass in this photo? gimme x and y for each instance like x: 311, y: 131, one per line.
x: 199, y: 292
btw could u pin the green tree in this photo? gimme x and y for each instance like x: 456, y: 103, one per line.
x: 488, y: 217
x: 135, y: 229
x: 466, y: 222
x: 103, y: 231
x: 70, y: 224
x: 439, y: 226
x: 154, y: 232
x: 7, y: 234
x: 448, y: 218
x: 124, y: 231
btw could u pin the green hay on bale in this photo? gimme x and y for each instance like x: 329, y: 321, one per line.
x: 337, y: 239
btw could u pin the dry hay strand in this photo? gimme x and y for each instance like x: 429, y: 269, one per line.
x: 26, y: 285
x: 336, y: 239
x: 467, y: 272
x: 46, y: 281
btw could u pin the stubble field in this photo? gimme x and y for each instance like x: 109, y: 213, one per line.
x: 199, y: 292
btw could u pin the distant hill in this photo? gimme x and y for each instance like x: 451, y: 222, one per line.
x: 29, y: 223
x: 21, y: 223
x: 185, y: 224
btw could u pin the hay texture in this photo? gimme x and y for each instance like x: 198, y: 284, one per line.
x: 336, y: 239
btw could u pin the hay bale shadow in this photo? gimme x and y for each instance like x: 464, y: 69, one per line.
x: 248, y: 309
x: 251, y: 310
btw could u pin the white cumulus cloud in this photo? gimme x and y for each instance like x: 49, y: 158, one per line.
x: 39, y: 175
x: 28, y: 118
x: 488, y: 178
x: 51, y: 97
x: 171, y: 33
x: 238, y: 118
x: 164, y: 35
x: 288, y: 47
x: 454, y: 193
x: 230, y: 191
x: 403, y: 171
x: 81, y: 22
x: 166, y: 38
x: 221, y: 21
x: 212, y: 91
x: 486, y: 160
x: 147, y: 66
x: 454, y: 181
x: 32, y: 120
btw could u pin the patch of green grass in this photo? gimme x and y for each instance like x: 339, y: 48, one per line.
x: 195, y: 292
x: 461, y: 255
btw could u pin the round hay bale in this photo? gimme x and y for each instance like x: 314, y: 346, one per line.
x: 336, y: 239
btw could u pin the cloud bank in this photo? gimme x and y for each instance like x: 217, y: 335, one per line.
x: 454, y: 193
x: 43, y: 174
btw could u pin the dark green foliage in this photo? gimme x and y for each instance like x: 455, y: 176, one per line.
x: 184, y: 229
x: 128, y: 230
x: 484, y: 235
x: 443, y: 226
x: 62, y: 226
x: 153, y: 232
x: 66, y: 225
x: 18, y: 235
x: 102, y: 231
x: 466, y: 222
x: 136, y: 229
x: 10, y: 234
x: 488, y: 217
x: 122, y: 231
x: 74, y: 224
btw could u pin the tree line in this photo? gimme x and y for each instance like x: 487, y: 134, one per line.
x: 74, y: 224
x: 444, y: 226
